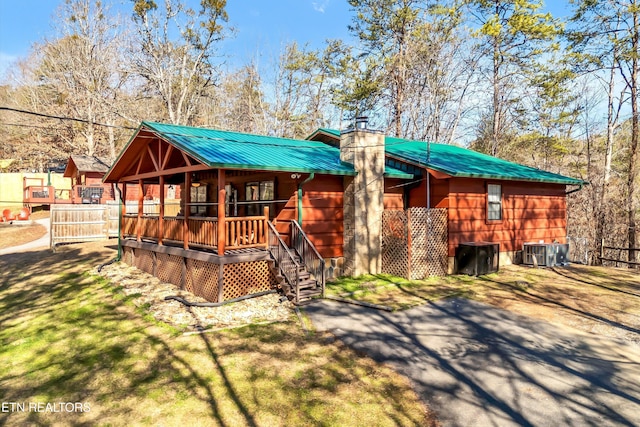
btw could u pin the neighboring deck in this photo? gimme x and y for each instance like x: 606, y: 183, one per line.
x: 35, y: 192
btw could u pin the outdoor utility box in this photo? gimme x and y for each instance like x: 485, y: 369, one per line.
x: 545, y: 254
x: 477, y: 258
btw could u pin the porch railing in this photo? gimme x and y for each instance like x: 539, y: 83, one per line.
x: 240, y: 232
x: 46, y: 194
x: 308, y: 254
x: 284, y: 259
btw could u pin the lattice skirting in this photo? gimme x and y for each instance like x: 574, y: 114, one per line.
x: 202, y: 278
x: 414, y: 242
x: 127, y: 255
x: 169, y: 268
x: 144, y: 260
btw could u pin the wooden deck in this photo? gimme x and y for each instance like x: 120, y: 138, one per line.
x: 240, y: 233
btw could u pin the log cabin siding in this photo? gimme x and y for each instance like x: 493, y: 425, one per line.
x: 393, y: 194
x: 439, y: 193
x: 530, y: 212
x: 322, y: 214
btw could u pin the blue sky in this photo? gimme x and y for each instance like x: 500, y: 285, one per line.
x: 263, y: 26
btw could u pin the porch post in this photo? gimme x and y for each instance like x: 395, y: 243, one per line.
x: 187, y: 209
x: 222, y: 226
x: 124, y: 208
x: 161, y: 214
x: 140, y: 209
x: 266, y: 227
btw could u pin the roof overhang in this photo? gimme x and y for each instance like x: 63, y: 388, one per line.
x: 70, y: 169
x: 151, y: 153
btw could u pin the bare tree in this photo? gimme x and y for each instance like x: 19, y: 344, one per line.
x: 80, y: 72
x: 174, y: 52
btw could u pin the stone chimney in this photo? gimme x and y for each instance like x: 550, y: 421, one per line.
x: 363, y: 199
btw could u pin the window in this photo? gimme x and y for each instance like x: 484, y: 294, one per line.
x: 198, y: 195
x: 494, y: 202
x: 255, y: 191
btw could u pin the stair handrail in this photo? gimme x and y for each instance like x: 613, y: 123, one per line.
x: 309, y: 255
x: 281, y: 252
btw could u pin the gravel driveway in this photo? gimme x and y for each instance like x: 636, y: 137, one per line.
x: 476, y: 365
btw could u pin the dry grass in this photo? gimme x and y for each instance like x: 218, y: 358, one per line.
x: 14, y: 235
x: 19, y: 233
x: 599, y: 300
x: 67, y: 335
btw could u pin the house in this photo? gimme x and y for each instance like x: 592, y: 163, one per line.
x: 262, y: 211
x: 487, y: 199
x: 86, y: 173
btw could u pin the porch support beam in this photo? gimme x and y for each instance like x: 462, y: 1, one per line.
x: 187, y: 209
x: 140, y: 209
x: 153, y: 158
x: 265, y: 227
x: 161, y: 214
x: 124, y: 209
x: 222, y: 226
x: 156, y: 174
x: 167, y: 156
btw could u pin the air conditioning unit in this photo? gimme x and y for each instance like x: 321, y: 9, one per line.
x: 545, y: 254
x: 477, y: 258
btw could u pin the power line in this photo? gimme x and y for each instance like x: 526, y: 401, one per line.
x: 26, y: 126
x: 50, y: 116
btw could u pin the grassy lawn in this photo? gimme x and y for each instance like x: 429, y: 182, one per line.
x: 595, y: 299
x: 69, y: 336
x: 398, y: 293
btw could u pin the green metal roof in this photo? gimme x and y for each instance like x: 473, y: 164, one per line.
x: 461, y: 162
x: 235, y: 150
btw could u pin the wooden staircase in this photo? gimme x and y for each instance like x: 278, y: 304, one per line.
x: 291, y: 270
x: 306, y: 287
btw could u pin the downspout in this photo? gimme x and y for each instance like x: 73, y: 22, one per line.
x: 575, y: 190
x: 309, y: 178
x: 117, y: 191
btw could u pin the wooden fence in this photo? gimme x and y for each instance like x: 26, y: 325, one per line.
x: 613, y: 256
x: 83, y: 223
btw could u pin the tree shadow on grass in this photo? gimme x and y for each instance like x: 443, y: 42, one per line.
x: 66, y: 336
x: 548, y: 301
x: 611, y: 282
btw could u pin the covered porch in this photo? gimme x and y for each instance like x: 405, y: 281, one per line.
x: 237, y: 227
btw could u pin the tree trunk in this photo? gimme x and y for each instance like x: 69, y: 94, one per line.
x: 634, y: 142
x: 600, y: 209
x: 495, y: 137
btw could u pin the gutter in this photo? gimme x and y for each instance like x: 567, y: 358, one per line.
x: 309, y: 178
x: 575, y: 190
